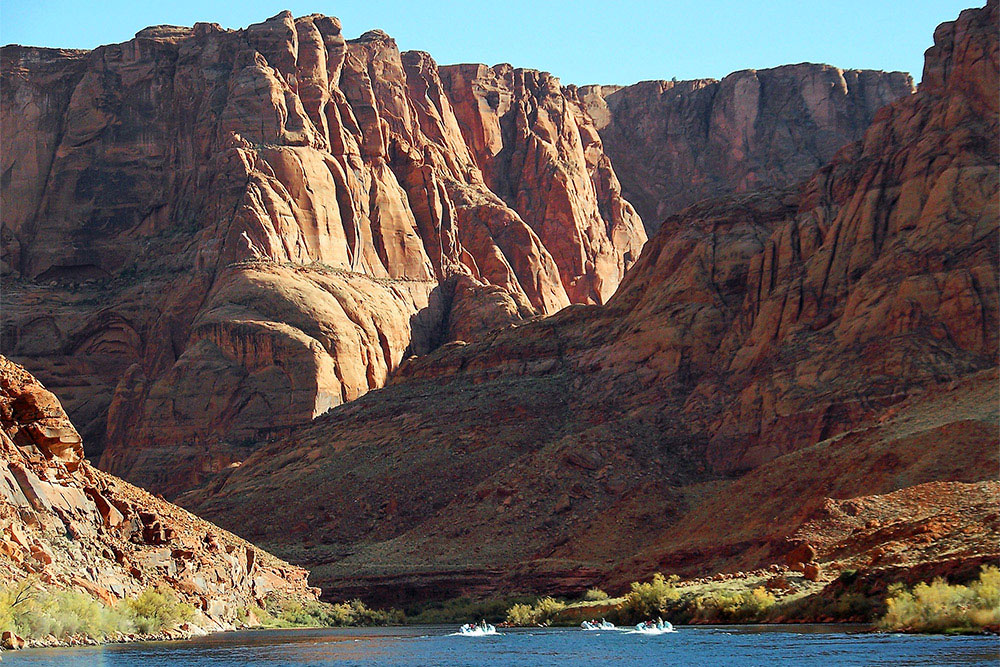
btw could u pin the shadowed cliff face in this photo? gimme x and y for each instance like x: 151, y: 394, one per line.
x: 769, y: 350
x: 71, y: 526
x: 212, y: 235
x: 674, y: 143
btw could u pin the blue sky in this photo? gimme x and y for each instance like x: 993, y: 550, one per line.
x: 589, y: 41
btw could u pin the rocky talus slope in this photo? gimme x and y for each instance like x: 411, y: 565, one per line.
x: 769, y: 351
x: 65, y: 524
x: 210, y: 235
x: 675, y: 143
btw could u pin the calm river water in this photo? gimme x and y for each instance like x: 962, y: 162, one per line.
x: 823, y: 646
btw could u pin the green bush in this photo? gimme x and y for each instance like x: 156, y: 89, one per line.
x: 847, y: 576
x: 462, y: 610
x: 540, y: 613
x: 521, y: 615
x: 595, y: 595
x: 649, y: 599
x: 734, y: 606
x: 157, y: 609
x: 294, y: 613
x: 245, y: 614
x: 356, y: 613
x: 31, y: 611
x: 13, y: 603
x: 941, y: 607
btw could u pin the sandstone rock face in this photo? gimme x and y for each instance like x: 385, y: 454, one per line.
x: 768, y: 351
x: 674, y: 143
x: 211, y: 235
x: 540, y: 151
x: 123, y: 540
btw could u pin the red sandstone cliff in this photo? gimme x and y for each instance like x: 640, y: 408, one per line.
x: 768, y: 351
x: 212, y: 235
x: 674, y: 143
x: 71, y: 526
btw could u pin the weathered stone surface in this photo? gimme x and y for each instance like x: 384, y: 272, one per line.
x: 116, y: 529
x: 10, y: 641
x: 800, y: 554
x: 769, y: 350
x: 539, y: 150
x: 674, y: 143
x: 212, y: 235
x: 33, y: 418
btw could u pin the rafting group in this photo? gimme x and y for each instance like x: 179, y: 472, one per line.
x: 480, y: 629
x: 657, y: 627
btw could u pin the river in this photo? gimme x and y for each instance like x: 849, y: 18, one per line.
x: 822, y: 646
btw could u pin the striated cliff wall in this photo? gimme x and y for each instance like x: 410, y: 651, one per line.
x: 769, y: 350
x: 674, y: 143
x: 211, y: 235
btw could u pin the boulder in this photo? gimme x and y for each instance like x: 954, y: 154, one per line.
x: 11, y: 642
x: 801, y: 553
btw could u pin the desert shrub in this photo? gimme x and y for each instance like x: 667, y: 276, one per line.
x: 31, y: 611
x: 734, y: 606
x: 547, y: 607
x: 355, y: 612
x: 289, y: 612
x: 847, y: 576
x: 940, y: 606
x: 14, y: 601
x: 595, y: 595
x: 539, y: 613
x: 463, y: 610
x: 74, y: 613
x: 648, y: 599
x: 245, y: 614
x: 852, y: 606
x: 521, y: 614
x: 157, y: 609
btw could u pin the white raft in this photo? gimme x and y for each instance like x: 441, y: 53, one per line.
x: 482, y: 629
x: 657, y: 627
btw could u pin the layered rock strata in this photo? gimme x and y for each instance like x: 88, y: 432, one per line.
x: 768, y: 351
x: 675, y: 143
x: 211, y: 235
x: 65, y: 524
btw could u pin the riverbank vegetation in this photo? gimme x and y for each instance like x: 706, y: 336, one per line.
x: 291, y: 613
x: 943, y: 607
x: 660, y: 596
x: 462, y: 610
x: 540, y: 613
x: 30, y: 610
x: 928, y: 607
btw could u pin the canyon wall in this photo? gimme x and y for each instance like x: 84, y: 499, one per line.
x: 771, y: 354
x: 675, y: 143
x: 211, y: 235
